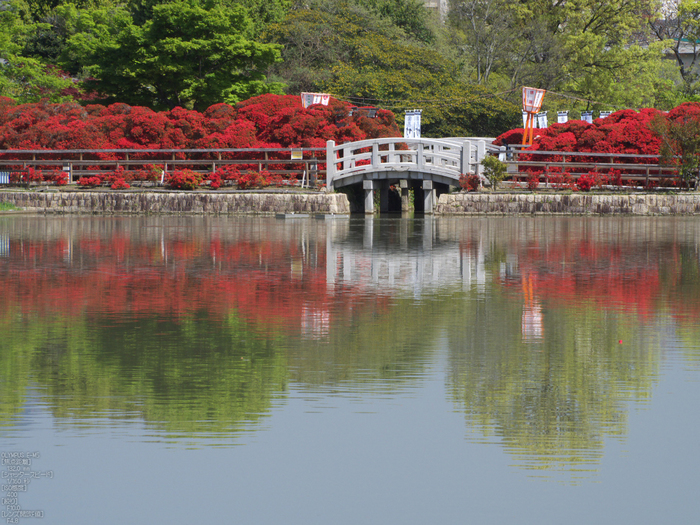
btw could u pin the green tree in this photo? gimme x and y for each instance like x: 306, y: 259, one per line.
x: 24, y: 78
x: 489, y: 30
x: 494, y: 170
x: 316, y: 39
x: 343, y: 53
x: 680, y: 140
x: 582, y: 47
x: 187, y: 55
x: 409, y: 15
x: 678, y: 27
x: 264, y: 12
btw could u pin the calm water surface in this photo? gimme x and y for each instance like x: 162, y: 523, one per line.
x: 351, y: 371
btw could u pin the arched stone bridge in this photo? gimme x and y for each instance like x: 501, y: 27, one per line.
x: 427, y: 165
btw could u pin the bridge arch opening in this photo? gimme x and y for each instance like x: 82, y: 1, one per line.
x: 394, y: 196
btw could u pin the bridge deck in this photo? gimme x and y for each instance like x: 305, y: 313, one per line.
x: 439, y: 160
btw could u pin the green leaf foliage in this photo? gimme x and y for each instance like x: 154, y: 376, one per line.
x: 343, y: 54
x: 582, y: 47
x: 186, y: 55
x: 24, y: 78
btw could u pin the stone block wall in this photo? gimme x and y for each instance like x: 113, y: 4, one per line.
x: 573, y: 204
x: 115, y: 202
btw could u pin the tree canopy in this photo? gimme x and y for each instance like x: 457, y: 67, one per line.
x: 343, y: 53
x: 465, y: 71
x: 186, y: 55
x: 23, y: 78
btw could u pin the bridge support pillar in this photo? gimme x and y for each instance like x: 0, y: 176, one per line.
x: 384, y: 196
x: 405, y: 195
x: 368, y: 186
x: 428, y: 197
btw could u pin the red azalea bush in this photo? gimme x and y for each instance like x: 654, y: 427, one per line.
x: 266, y: 121
x: 90, y: 182
x: 533, y: 180
x: 118, y: 179
x: 254, y: 179
x: 148, y: 173
x: 32, y: 176
x: 625, y: 131
x: 469, y: 182
x: 586, y: 181
x: 120, y: 184
x: 228, y: 173
x: 214, y: 180
x: 184, y: 179
x: 57, y: 177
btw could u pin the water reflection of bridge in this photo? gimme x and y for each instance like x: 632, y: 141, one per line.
x: 404, y: 254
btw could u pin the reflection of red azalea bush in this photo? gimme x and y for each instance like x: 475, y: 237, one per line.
x: 252, y: 279
x: 606, y: 274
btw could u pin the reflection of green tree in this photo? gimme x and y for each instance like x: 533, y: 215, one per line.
x: 681, y: 278
x: 383, y: 346
x: 196, y: 376
x: 16, y: 351
x: 551, y: 402
x: 690, y: 336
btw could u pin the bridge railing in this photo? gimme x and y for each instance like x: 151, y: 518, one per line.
x: 446, y: 157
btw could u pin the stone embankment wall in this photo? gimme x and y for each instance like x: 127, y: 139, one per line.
x: 575, y: 204
x: 115, y: 202
x: 108, y: 202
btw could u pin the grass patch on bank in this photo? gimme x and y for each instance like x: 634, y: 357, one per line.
x: 7, y: 206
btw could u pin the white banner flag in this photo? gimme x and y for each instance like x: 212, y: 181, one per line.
x: 411, y: 125
x: 309, y: 99
x: 542, y: 119
x: 562, y: 117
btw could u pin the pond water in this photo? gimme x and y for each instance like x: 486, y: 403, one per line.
x: 350, y: 371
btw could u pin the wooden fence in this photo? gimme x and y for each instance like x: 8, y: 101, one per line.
x: 301, y: 164
x: 551, y: 166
